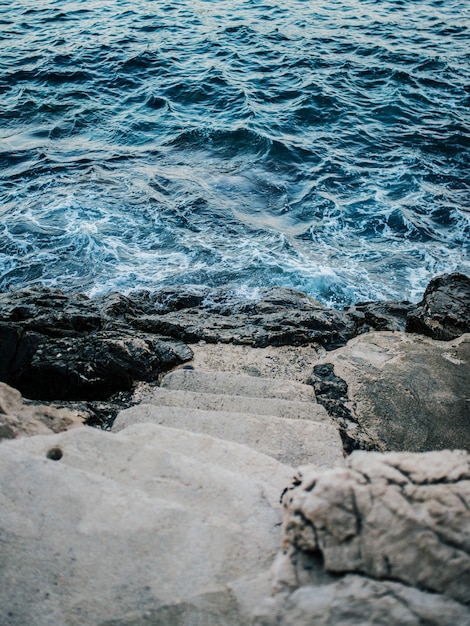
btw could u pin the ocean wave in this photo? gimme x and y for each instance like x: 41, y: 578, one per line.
x: 250, y: 144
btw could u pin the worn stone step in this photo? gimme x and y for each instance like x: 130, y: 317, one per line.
x: 161, y: 396
x: 292, y: 442
x: 237, y: 385
x: 159, y: 513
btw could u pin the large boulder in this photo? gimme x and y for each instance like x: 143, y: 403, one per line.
x: 93, y: 366
x: 397, y: 391
x: 384, y: 540
x: 396, y: 516
x: 444, y: 311
x: 55, y: 346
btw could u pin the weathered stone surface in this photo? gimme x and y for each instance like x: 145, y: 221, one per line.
x: 405, y: 392
x: 384, y: 540
x: 401, y: 517
x: 444, y: 311
x: 120, y: 528
x: 293, y: 442
x: 285, y: 362
x: 160, y: 396
x: 360, y: 601
x: 68, y: 347
x: 18, y: 419
x: 237, y: 384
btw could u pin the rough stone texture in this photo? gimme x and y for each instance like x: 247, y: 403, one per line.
x: 370, y: 316
x: 359, y: 601
x: 122, y: 528
x: 287, y: 362
x: 406, y: 392
x: 400, y: 516
x: 269, y: 316
x: 384, y: 540
x: 18, y: 419
x: 160, y: 396
x: 68, y: 346
x: 59, y: 347
x: 293, y: 442
x: 239, y: 385
x: 331, y: 392
x: 444, y: 311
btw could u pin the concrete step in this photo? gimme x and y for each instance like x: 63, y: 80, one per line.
x: 291, y: 442
x: 237, y: 385
x: 161, y: 396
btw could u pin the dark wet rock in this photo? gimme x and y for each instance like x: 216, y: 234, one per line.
x: 331, y: 391
x: 96, y: 366
x: 444, y: 311
x: 273, y: 316
x: 57, y: 345
x: 380, y: 315
x: 286, y: 326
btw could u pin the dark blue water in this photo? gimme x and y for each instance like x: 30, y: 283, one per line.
x: 323, y: 146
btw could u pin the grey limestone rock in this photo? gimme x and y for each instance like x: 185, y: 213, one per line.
x: 237, y: 384
x: 293, y: 442
x: 143, y: 526
x: 400, y: 391
x: 360, y: 601
x: 399, y: 516
x: 384, y: 540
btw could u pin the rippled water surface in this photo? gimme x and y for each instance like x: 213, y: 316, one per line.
x: 243, y: 143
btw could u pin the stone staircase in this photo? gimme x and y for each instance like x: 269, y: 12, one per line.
x: 174, y: 517
x: 278, y: 418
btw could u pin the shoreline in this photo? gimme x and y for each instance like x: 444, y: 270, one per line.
x: 90, y: 354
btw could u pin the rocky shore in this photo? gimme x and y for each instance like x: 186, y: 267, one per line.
x: 213, y: 403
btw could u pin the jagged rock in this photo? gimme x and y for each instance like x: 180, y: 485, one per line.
x: 444, y: 311
x: 384, y: 540
x: 370, y: 316
x: 400, y: 516
x: 95, y: 367
x: 18, y: 419
x: 331, y: 392
x: 280, y: 317
x: 404, y: 392
x: 68, y: 347
x: 38, y: 323
x: 151, y: 523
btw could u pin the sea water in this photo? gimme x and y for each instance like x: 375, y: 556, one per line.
x: 322, y: 146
